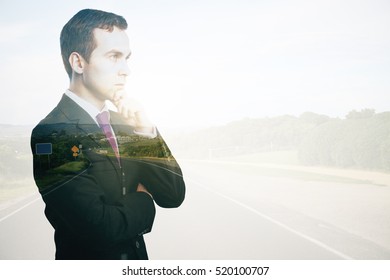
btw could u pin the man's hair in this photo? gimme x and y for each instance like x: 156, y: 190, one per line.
x: 77, y: 34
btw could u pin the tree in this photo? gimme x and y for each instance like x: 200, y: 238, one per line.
x: 363, y: 114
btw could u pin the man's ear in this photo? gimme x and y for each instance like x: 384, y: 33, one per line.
x: 77, y: 62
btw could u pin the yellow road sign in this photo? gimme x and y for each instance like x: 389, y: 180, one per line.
x: 75, y: 149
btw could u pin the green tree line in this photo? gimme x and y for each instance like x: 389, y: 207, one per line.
x: 359, y: 140
x: 140, y: 147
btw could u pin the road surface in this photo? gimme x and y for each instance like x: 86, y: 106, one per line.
x: 241, y: 211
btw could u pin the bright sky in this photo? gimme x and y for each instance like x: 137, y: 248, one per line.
x: 207, y: 62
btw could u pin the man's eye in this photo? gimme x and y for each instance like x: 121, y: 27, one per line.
x: 114, y: 57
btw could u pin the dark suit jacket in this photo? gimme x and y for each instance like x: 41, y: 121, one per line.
x: 91, y: 199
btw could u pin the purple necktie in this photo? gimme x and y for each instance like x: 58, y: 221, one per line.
x: 103, y: 119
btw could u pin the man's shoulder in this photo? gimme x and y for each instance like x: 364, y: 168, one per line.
x: 56, y: 113
x: 57, y: 119
x: 67, y: 111
x: 55, y: 116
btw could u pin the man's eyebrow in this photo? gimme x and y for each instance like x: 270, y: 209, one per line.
x: 114, y: 51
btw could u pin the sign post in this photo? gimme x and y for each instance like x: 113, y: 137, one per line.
x: 44, y: 149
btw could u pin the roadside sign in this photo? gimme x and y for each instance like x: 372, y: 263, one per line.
x: 43, y: 149
x: 75, y: 151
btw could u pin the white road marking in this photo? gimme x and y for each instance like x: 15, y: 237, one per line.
x: 268, y: 218
x: 19, y: 209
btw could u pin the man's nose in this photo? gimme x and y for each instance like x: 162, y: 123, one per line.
x: 124, y: 69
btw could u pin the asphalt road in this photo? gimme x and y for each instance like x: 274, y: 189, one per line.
x: 240, y: 212
x: 25, y: 234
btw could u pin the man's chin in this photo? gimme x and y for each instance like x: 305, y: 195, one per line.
x: 119, y: 94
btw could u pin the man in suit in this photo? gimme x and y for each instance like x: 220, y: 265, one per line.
x: 100, y: 173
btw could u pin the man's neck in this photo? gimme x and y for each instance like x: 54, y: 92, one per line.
x: 85, y: 105
x: 87, y: 96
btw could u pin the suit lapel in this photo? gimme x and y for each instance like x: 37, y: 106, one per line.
x: 78, y: 117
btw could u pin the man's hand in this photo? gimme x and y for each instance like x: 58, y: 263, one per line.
x: 141, y: 188
x: 133, y: 112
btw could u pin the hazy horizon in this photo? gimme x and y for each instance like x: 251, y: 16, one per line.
x: 172, y: 130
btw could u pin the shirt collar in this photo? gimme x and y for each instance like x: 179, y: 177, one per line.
x: 88, y: 107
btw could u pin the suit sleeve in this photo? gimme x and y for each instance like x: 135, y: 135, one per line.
x: 156, y: 167
x: 81, y: 205
x: 162, y: 176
